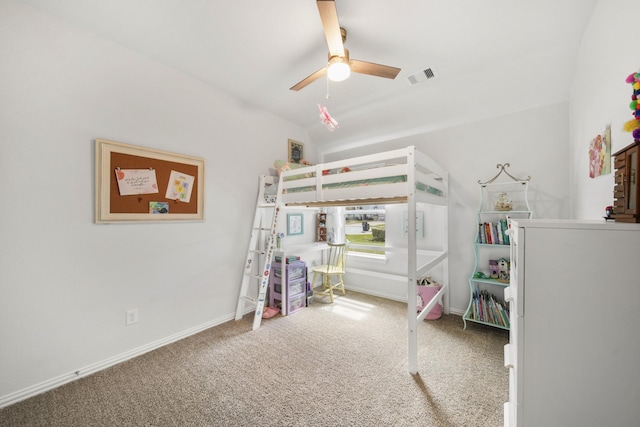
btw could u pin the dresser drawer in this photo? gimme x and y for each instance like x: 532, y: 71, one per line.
x: 297, y: 303
x: 294, y: 270
x: 298, y: 286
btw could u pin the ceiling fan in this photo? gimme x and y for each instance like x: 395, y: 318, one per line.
x: 340, y: 65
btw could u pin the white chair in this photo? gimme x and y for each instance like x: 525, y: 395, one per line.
x: 332, y: 271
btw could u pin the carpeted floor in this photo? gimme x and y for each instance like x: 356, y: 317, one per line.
x: 341, y: 364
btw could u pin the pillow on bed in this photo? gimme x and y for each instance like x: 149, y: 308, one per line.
x: 284, y: 166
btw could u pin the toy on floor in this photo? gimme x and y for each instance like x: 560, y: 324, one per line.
x: 269, y: 312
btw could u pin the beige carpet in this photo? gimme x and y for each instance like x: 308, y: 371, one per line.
x: 341, y: 364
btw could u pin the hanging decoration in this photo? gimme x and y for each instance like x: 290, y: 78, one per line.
x: 326, y: 119
x: 633, y: 125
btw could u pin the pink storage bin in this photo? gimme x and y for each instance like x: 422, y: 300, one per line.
x: 425, y: 295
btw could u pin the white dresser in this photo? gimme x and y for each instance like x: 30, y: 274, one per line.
x: 574, y: 346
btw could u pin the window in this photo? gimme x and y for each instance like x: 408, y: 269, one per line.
x: 365, y: 226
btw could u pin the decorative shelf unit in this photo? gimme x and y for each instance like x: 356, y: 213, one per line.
x: 501, y: 201
x: 321, y: 227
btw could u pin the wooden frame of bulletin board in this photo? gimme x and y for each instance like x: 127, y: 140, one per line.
x: 143, y: 184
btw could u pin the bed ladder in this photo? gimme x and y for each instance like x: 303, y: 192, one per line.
x: 256, y: 250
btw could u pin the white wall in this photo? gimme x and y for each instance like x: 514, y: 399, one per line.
x: 65, y: 283
x: 600, y: 97
x: 534, y: 142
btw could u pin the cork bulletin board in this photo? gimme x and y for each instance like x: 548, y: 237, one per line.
x: 142, y: 184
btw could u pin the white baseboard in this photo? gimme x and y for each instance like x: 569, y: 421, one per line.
x: 368, y: 291
x: 392, y: 297
x: 52, y: 383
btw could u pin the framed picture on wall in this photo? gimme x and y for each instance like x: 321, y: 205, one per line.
x: 295, y: 224
x: 296, y: 151
x: 600, y: 154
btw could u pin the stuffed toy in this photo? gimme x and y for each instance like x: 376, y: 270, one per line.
x: 282, y: 166
x: 329, y: 171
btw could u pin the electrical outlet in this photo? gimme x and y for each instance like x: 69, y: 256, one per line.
x: 132, y: 316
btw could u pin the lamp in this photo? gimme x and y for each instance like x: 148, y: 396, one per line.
x: 338, y: 68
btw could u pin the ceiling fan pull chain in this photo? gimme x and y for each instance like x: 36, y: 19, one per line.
x: 328, y: 96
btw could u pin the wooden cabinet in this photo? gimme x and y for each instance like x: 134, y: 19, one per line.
x: 626, y: 190
x: 321, y: 227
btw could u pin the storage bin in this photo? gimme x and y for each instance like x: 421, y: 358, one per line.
x: 295, y: 269
x: 297, y: 303
x: 297, y: 287
x: 425, y: 295
x: 276, y: 270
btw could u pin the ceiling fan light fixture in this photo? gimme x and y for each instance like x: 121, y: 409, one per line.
x: 339, y: 66
x: 338, y: 69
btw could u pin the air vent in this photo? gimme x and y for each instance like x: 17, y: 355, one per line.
x: 429, y: 73
x: 421, y: 76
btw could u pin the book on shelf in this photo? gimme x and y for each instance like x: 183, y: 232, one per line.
x: 486, y: 308
x: 493, y: 233
x: 500, y: 238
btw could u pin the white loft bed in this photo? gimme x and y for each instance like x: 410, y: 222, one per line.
x: 399, y: 176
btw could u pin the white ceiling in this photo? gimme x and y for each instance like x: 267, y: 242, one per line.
x: 491, y: 57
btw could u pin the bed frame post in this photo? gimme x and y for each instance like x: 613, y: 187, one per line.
x: 412, y: 262
x: 445, y: 246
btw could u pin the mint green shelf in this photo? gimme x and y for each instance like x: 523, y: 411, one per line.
x: 491, y: 191
x: 490, y: 282
x: 466, y: 318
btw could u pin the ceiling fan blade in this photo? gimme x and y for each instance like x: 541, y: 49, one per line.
x: 372, y: 69
x: 329, y: 18
x: 310, y: 79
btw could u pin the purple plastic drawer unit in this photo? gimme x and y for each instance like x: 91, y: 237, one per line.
x: 295, y: 278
